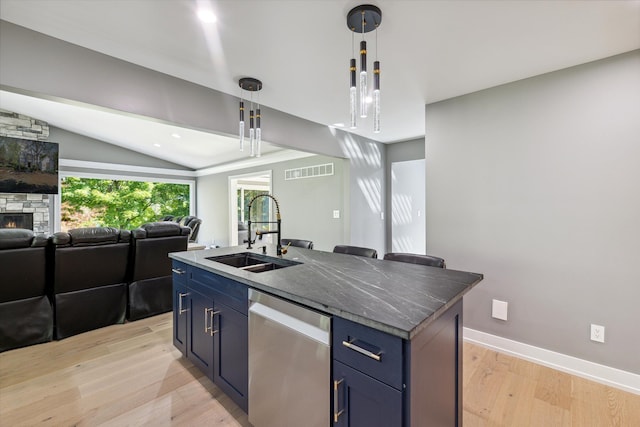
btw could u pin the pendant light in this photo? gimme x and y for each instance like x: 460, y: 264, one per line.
x: 360, y: 20
x: 255, y: 132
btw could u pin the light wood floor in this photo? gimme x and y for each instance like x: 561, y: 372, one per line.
x: 131, y: 375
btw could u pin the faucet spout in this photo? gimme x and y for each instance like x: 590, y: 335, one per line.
x: 259, y: 233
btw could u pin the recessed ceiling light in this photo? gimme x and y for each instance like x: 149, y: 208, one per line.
x: 157, y: 145
x: 338, y: 125
x: 207, y: 16
x: 176, y: 135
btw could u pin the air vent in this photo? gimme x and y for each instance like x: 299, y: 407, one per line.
x: 309, y: 172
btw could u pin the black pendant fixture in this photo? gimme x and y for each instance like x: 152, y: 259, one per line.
x: 255, y: 131
x: 360, y: 20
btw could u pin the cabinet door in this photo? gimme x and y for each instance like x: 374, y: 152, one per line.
x: 180, y: 313
x: 359, y: 400
x: 200, y: 331
x: 231, y: 358
x: 179, y: 275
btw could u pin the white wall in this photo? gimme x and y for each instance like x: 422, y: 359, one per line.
x: 536, y: 184
x: 408, y: 226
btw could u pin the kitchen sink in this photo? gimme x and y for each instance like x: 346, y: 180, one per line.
x: 255, y: 263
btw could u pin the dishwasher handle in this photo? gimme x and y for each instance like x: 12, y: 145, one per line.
x: 290, y: 322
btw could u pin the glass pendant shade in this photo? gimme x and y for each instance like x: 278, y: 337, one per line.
x: 353, y: 107
x: 363, y: 79
x: 352, y: 94
x: 252, y: 135
x: 376, y: 97
x: 258, y: 151
x: 241, y: 127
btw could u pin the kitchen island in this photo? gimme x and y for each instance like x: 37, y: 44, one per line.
x: 396, y: 329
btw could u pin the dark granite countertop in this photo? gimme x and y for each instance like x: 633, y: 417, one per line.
x: 394, y: 297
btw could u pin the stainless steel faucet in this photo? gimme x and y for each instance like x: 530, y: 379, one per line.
x: 260, y: 233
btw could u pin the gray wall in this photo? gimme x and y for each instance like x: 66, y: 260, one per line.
x: 306, y: 205
x: 367, y: 193
x: 535, y: 184
x: 398, y: 152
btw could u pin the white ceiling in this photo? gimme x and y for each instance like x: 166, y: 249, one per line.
x: 300, y: 49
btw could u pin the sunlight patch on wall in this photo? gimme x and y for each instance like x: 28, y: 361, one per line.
x: 361, y: 154
x: 371, y: 189
x: 401, y: 209
x: 402, y: 244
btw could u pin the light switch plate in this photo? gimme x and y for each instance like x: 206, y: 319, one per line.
x: 336, y: 214
x: 499, y: 309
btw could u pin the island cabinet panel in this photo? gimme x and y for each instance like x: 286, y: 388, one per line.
x: 360, y: 400
x: 436, y: 372
x: 211, y: 328
x: 180, y: 303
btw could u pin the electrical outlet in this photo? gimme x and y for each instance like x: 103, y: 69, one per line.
x: 597, y: 333
x: 499, y: 309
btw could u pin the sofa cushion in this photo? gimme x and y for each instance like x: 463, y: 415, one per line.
x: 93, y: 236
x: 15, y: 238
x: 160, y: 229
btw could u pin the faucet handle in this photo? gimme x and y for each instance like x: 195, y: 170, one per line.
x: 286, y: 249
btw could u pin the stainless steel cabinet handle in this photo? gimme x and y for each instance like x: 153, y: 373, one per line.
x: 211, y: 314
x: 180, y: 296
x: 178, y: 271
x: 336, y: 403
x: 352, y: 346
x: 207, y: 318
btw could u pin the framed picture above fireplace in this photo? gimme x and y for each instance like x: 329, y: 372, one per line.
x: 28, y: 166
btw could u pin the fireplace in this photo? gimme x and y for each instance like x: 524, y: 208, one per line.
x: 16, y: 220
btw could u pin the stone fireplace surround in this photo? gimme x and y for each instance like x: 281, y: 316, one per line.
x: 41, y: 205
x: 38, y: 204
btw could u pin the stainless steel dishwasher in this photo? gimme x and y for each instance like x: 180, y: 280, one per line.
x: 289, y: 364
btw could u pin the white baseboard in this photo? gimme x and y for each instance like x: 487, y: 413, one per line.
x: 617, y: 378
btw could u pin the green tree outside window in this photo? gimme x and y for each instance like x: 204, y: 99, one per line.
x: 90, y: 202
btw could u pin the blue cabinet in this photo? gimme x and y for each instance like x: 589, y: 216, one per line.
x: 368, y: 376
x: 211, y: 327
x: 360, y: 400
x: 200, y: 309
x: 180, y: 306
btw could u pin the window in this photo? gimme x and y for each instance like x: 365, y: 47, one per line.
x: 120, y: 203
x: 242, y: 189
x: 259, y: 209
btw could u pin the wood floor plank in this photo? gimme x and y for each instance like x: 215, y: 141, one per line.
x: 131, y: 375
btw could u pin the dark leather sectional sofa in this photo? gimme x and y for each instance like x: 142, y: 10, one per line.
x: 85, y: 279
x: 26, y: 313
